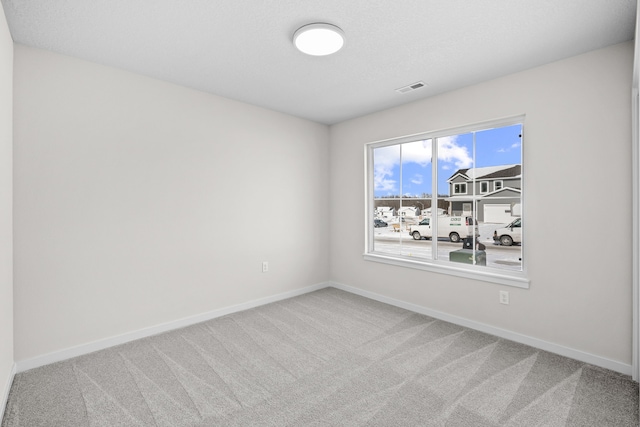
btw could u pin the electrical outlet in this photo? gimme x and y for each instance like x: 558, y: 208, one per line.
x: 504, y: 297
x: 265, y: 266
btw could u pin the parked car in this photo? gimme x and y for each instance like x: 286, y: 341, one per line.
x: 509, y: 235
x: 453, y: 227
x: 379, y: 223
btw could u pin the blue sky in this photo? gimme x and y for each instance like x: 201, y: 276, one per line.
x: 494, y: 147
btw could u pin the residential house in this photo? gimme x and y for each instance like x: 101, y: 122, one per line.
x: 409, y: 211
x: 385, y: 212
x: 496, y: 191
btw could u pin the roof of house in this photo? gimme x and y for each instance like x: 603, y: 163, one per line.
x: 490, y: 172
x: 502, y: 190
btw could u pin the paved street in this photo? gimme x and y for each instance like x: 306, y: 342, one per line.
x: 503, y: 257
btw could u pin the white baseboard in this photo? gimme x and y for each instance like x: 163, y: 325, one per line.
x: 57, y: 356
x: 582, y: 356
x: 80, y: 350
x: 5, y: 394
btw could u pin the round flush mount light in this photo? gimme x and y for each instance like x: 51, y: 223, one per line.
x: 318, y: 39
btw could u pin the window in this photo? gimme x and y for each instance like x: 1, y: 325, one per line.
x: 462, y: 227
x: 460, y: 188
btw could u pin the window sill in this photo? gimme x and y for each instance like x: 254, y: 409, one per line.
x: 517, y: 279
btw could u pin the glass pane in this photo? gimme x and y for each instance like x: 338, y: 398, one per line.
x: 402, y: 187
x: 386, y: 202
x: 455, y: 197
x: 499, y: 160
x: 416, y: 198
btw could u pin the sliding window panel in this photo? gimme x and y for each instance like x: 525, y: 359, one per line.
x: 387, y: 186
x: 457, y: 196
x: 416, y: 194
x: 498, y: 158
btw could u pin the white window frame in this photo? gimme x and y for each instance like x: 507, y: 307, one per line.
x: 484, y: 183
x: 487, y: 274
x: 495, y: 185
x: 457, y: 193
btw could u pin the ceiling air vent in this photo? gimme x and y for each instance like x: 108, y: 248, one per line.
x: 411, y: 87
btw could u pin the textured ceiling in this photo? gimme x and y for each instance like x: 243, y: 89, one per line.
x: 242, y: 49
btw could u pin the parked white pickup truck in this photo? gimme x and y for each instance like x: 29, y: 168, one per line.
x: 453, y: 227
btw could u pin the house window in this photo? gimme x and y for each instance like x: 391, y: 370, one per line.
x: 464, y: 228
x: 460, y: 188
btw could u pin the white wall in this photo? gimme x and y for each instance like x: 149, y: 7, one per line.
x: 577, y: 152
x: 127, y: 192
x: 636, y: 198
x: 6, y: 209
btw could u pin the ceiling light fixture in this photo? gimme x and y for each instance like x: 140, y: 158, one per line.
x: 318, y: 39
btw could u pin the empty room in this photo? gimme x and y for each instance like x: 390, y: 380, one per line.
x: 292, y: 213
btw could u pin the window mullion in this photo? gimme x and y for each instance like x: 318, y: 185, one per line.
x: 434, y: 199
x: 400, y: 209
x: 474, y: 202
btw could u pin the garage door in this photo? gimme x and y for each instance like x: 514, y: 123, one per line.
x: 497, y: 214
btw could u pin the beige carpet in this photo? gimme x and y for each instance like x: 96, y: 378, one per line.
x: 321, y: 359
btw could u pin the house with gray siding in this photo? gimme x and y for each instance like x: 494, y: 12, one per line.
x: 495, y: 190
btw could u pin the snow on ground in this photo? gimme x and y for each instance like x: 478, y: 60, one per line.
x: 390, y: 241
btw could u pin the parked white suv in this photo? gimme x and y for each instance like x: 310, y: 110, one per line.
x: 509, y: 235
x: 453, y: 227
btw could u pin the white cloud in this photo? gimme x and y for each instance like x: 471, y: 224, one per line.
x: 387, y: 185
x: 449, y: 151
x: 506, y: 150
x: 385, y: 159
x: 417, y: 152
